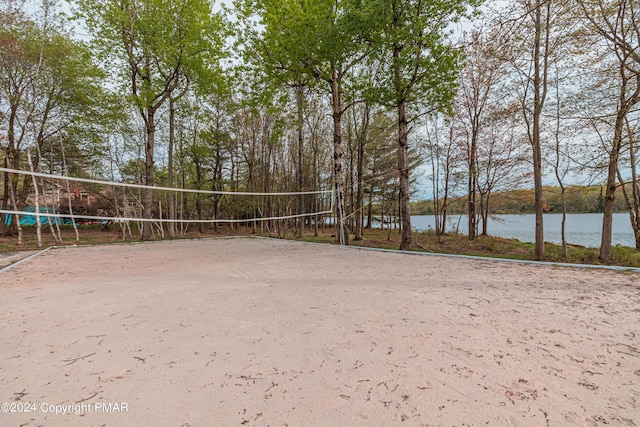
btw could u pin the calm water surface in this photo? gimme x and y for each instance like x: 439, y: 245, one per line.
x: 581, y: 229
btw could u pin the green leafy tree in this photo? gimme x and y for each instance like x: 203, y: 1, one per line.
x: 19, y: 68
x: 277, y: 60
x: 418, y: 70
x: 156, y: 46
x: 314, y: 40
x: 48, y: 87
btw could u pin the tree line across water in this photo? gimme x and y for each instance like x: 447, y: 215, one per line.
x: 577, y: 199
x: 359, y: 96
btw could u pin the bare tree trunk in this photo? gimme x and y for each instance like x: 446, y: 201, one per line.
x: 66, y: 173
x: 5, y: 198
x: 434, y: 154
x: 183, y: 200
x: 383, y: 205
x: 560, y: 175
x: 403, y: 170
x: 635, y: 190
x: 610, y: 194
x: 336, y: 103
x: 370, y: 208
x: 36, y: 201
x: 473, y: 181
x: 15, y: 217
x: 56, y: 236
x: 198, y: 196
x: 362, y: 142
x: 171, y: 226
x: 403, y: 158
x: 616, y: 23
x: 149, y: 173
x: 539, y: 94
x: 632, y: 201
x: 300, y: 106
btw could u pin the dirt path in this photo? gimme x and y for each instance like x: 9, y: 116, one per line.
x: 266, y: 332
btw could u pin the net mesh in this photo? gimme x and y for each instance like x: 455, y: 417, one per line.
x: 59, y: 199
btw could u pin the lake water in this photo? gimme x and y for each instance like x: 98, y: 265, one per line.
x: 581, y: 229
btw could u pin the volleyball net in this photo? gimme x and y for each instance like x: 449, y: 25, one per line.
x: 34, y: 197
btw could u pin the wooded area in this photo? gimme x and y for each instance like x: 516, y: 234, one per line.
x: 574, y: 199
x: 378, y: 100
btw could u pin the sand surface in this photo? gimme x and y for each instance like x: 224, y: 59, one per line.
x: 266, y: 332
x: 8, y: 258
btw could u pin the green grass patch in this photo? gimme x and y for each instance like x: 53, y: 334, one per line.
x: 425, y: 241
x: 489, y: 247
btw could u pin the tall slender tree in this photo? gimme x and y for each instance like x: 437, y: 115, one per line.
x: 532, y: 30
x: 418, y: 71
x: 318, y: 39
x: 617, y: 25
x: 477, y: 83
x: 48, y: 86
x: 155, y: 45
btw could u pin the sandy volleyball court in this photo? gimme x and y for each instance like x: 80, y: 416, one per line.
x: 266, y: 332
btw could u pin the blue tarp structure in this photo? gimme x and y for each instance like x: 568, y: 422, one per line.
x: 26, y: 219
